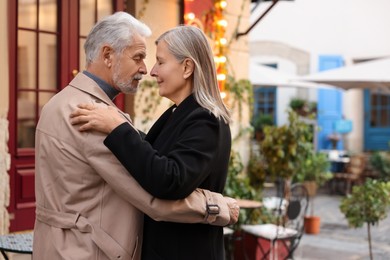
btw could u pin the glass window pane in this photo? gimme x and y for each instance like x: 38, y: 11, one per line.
x: 48, y: 15
x: 373, y: 100
x: 373, y: 118
x: 384, y: 100
x: 26, y: 67
x: 26, y: 119
x: 105, y: 8
x: 87, y: 16
x: 383, y: 117
x: 27, y: 14
x: 82, y: 55
x: 47, y: 61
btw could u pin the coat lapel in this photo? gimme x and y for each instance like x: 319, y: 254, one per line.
x: 171, y: 118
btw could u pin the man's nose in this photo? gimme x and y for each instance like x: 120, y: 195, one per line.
x: 143, y: 69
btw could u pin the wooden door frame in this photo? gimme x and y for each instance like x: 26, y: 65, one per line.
x: 22, y: 160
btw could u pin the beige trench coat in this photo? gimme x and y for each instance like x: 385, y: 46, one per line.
x: 88, y: 205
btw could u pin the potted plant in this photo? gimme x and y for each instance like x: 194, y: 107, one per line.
x: 300, y: 106
x: 314, y: 173
x: 380, y: 162
x: 284, y: 149
x: 259, y: 122
x: 367, y: 204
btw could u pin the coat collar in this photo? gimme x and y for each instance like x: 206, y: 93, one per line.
x: 87, y: 85
x: 172, y: 117
x: 84, y: 83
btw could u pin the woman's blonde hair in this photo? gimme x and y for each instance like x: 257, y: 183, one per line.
x: 190, y: 42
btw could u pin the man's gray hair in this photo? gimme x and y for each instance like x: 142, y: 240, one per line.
x: 117, y: 31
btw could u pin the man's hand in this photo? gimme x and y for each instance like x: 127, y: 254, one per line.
x: 234, y: 210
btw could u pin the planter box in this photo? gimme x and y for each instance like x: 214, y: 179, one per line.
x: 249, y: 246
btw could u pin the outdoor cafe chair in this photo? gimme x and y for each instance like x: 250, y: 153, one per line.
x: 353, y: 173
x: 288, y: 230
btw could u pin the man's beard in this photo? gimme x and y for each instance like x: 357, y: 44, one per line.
x: 125, y: 86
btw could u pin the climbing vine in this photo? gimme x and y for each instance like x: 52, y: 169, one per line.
x: 148, y: 100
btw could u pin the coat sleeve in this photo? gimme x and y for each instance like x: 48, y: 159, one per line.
x: 188, y: 210
x: 173, y: 175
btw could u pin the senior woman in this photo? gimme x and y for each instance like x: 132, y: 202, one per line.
x: 187, y: 148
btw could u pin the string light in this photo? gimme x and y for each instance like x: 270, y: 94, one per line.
x: 214, y: 24
x: 220, y: 41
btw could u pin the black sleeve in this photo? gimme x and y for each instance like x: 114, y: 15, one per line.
x: 175, y: 175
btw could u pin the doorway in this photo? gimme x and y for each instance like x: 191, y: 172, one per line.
x: 46, y: 40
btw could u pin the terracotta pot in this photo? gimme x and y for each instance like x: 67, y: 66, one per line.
x: 312, y: 224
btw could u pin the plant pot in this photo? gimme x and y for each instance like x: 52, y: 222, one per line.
x: 311, y: 187
x: 312, y: 224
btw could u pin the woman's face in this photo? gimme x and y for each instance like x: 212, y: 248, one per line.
x: 171, y: 75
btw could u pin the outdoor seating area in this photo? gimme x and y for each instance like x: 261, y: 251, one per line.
x: 280, y: 235
x: 349, y: 170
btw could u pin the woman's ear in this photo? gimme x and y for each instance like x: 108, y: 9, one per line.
x: 189, y: 67
x: 107, y: 53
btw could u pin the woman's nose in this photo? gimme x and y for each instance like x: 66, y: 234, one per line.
x: 153, y: 72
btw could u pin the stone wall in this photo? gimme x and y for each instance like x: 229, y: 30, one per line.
x: 4, y: 177
x: 4, y: 96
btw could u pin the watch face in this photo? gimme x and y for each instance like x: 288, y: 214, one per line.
x: 213, y: 209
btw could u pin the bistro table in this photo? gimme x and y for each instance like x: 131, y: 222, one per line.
x: 248, y: 204
x: 16, y: 243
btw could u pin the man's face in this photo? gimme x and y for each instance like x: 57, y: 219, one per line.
x: 130, y: 66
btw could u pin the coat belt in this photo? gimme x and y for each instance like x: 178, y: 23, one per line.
x: 75, y: 221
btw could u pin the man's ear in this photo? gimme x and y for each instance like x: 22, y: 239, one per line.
x: 107, y: 53
x: 189, y: 67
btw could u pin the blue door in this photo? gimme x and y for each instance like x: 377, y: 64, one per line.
x: 376, y: 121
x: 329, y: 105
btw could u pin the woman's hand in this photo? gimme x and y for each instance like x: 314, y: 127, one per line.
x: 100, y: 119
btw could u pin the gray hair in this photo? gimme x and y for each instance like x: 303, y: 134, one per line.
x: 117, y: 31
x: 190, y: 42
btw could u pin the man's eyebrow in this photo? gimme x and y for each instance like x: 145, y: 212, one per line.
x: 141, y: 55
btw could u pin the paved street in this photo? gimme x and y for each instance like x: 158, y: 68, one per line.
x: 337, y: 241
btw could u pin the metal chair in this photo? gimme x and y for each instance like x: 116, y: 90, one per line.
x: 289, y: 229
x: 352, y: 175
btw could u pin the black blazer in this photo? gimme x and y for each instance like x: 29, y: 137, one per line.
x: 186, y: 148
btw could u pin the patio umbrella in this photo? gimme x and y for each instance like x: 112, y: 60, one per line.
x: 266, y: 76
x: 371, y: 74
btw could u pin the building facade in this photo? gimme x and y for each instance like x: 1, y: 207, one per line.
x: 308, y: 36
